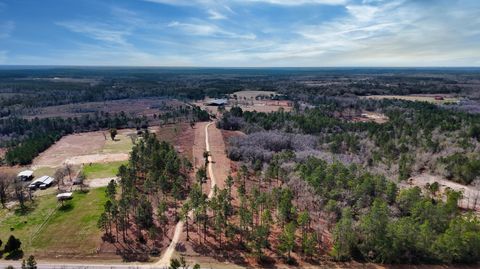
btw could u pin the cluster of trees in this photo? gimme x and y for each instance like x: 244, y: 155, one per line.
x: 252, y: 222
x: 154, y: 180
x: 376, y: 222
x: 461, y: 168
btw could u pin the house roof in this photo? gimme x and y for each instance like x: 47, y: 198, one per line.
x: 64, y: 195
x: 26, y: 173
x: 217, y: 102
x: 45, y: 180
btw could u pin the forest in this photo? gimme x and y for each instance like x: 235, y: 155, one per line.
x: 417, y: 137
x: 345, y: 175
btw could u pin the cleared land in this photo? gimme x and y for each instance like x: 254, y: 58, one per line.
x: 88, y: 147
x: 50, y: 230
x: 421, y: 98
x: 247, y: 100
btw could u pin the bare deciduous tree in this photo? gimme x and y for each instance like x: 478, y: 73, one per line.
x: 6, y: 180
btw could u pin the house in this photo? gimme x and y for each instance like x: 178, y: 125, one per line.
x: 217, y: 102
x: 41, y: 183
x: 26, y: 175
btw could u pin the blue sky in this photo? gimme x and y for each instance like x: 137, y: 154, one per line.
x: 240, y: 33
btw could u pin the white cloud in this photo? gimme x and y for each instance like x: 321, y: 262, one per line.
x: 273, y: 2
x: 207, y: 30
x: 300, y: 2
x: 215, y: 15
x: 99, y: 31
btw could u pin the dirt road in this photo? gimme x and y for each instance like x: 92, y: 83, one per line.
x: 167, y: 255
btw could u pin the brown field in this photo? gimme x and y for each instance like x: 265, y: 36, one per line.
x: 421, y: 98
x: 88, y: 147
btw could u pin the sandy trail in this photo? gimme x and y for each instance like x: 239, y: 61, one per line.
x: 167, y: 255
x: 471, y: 195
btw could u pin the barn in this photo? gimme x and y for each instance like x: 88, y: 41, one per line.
x: 41, y: 183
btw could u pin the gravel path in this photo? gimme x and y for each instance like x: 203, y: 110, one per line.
x: 167, y: 255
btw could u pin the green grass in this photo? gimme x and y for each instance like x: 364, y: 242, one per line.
x: 49, y: 228
x: 102, y: 170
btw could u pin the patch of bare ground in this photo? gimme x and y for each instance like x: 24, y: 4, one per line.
x: 180, y: 135
x: 470, y: 194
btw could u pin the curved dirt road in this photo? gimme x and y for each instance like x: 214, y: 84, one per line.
x: 167, y: 255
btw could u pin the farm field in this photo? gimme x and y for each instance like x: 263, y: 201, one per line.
x: 49, y: 229
x: 420, y: 98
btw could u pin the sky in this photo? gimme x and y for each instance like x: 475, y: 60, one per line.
x: 240, y: 33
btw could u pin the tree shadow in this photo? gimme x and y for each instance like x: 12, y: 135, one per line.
x: 66, y: 207
x: 14, y: 255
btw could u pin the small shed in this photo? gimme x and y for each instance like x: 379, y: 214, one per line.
x: 25, y: 175
x: 217, y: 102
x: 64, y: 196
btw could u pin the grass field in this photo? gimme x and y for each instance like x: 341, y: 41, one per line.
x: 102, y: 170
x: 49, y: 227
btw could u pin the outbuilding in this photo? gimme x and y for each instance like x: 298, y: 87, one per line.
x: 26, y: 175
x: 217, y: 102
x: 64, y: 196
x: 41, y: 183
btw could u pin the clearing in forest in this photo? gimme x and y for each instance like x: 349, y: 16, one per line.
x: 88, y: 147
